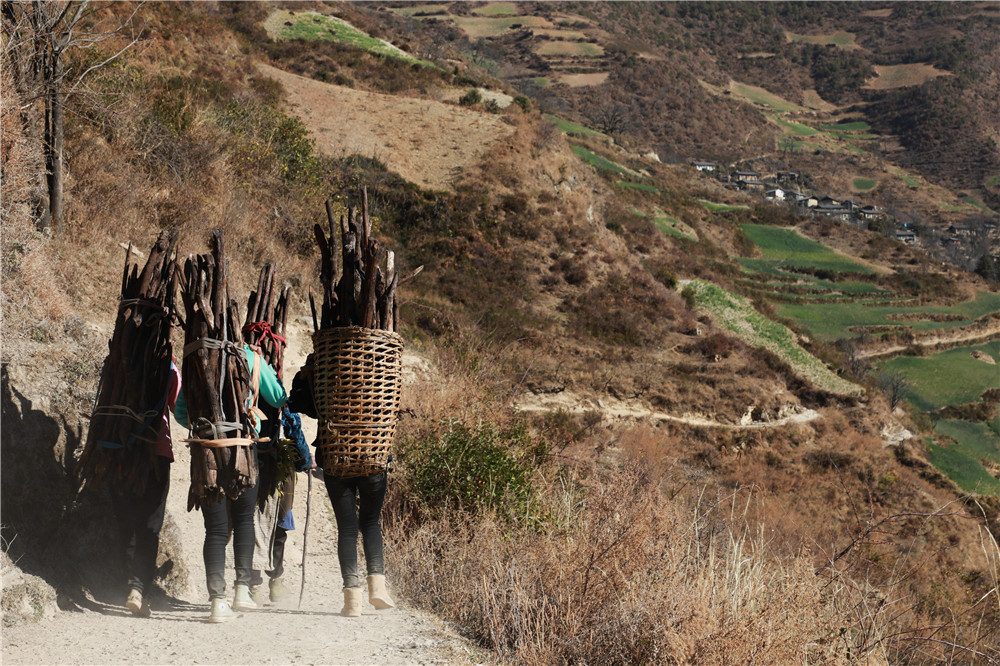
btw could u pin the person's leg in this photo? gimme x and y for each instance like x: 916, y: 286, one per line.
x: 284, y: 524
x: 150, y: 509
x: 216, y: 514
x: 241, y: 513
x: 371, y: 492
x: 343, y: 498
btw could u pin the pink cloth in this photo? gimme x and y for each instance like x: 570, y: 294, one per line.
x: 163, y: 445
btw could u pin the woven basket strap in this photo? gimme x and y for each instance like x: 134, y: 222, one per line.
x: 205, y: 429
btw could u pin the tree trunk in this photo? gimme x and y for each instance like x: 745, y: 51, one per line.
x: 53, y: 146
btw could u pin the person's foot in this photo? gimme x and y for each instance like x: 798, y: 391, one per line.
x: 221, y: 611
x: 276, y: 589
x: 257, y: 594
x: 136, y: 604
x: 242, y: 600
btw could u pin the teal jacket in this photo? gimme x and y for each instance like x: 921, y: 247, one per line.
x: 271, y: 390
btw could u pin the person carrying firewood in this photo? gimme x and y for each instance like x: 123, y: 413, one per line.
x: 357, y: 505
x: 139, y: 515
x: 225, y: 514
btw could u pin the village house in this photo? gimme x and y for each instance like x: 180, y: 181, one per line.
x: 775, y: 194
x: 787, y: 177
x: 746, y: 176
x: 832, y: 209
x: 752, y: 185
x: 869, y: 213
x: 960, y: 230
x: 705, y: 166
x: 906, y: 236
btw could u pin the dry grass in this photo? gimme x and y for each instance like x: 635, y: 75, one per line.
x: 580, y: 80
x: 901, y: 76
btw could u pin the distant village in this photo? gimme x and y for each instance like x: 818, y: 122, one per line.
x: 784, y: 187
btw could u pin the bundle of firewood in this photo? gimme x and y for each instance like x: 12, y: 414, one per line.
x: 216, y: 381
x: 264, y: 329
x: 125, y: 424
x: 364, y: 295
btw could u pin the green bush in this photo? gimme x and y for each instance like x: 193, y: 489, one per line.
x: 492, y: 106
x: 474, y: 469
x: 523, y: 102
x: 471, y: 98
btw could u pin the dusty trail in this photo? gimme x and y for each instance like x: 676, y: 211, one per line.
x: 275, y: 634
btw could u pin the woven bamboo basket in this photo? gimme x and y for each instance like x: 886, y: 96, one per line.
x: 358, y: 376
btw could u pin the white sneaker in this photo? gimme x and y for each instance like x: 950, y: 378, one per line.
x: 221, y: 611
x: 242, y: 601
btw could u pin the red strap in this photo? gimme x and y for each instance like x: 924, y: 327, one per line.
x: 261, y: 330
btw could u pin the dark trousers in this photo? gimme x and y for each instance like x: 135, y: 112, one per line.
x: 221, y: 517
x: 278, y: 553
x: 357, y: 504
x: 140, y: 518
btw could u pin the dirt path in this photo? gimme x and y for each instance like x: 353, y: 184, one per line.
x: 978, y: 336
x: 276, y: 634
x: 620, y: 409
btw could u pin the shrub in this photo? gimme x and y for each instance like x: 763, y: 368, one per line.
x: 523, y: 102
x: 690, y: 299
x: 471, y: 98
x: 473, y: 469
x: 492, y: 106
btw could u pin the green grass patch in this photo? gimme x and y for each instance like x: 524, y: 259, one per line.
x: 721, y: 208
x: 564, y: 48
x: 765, y: 98
x: 950, y: 377
x: 994, y: 181
x: 735, y: 314
x: 830, y: 322
x: 796, y: 129
x: 312, y: 26
x: 974, y: 201
x: 972, y: 438
x: 542, y: 82
x: 483, y: 27
x: 569, y: 127
x: 669, y: 225
x: 864, y: 184
x: 790, y: 249
x: 856, y: 126
x: 638, y: 186
x: 967, y: 473
x: 907, y: 178
x: 496, y: 9
x: 599, y: 162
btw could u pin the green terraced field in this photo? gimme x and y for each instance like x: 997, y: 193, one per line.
x: 786, y: 247
x: 856, y: 126
x: 831, y: 322
x: 569, y: 127
x: 951, y: 377
x: 735, y: 314
x: 765, y: 98
x: 994, y: 181
x: 600, y: 162
x: 797, y: 129
x: 963, y: 470
x: 972, y: 438
x: 973, y: 201
x: 721, y: 208
x: 638, y: 186
x: 864, y: 184
x: 314, y: 26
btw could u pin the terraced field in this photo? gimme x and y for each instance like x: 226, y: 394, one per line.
x: 735, y: 314
x: 786, y: 248
x: 952, y: 377
x: 601, y: 163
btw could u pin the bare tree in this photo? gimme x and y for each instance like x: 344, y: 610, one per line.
x: 894, y: 385
x: 39, y: 33
x: 611, y: 118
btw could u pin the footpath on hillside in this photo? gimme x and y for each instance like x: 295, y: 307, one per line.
x: 281, y: 633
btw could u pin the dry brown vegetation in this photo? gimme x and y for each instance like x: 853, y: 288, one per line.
x: 666, y: 544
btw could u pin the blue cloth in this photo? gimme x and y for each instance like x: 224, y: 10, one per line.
x: 287, y: 521
x: 292, y: 424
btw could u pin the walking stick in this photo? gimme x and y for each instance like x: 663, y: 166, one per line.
x: 305, y: 536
